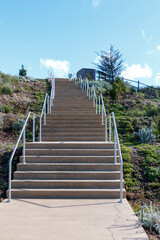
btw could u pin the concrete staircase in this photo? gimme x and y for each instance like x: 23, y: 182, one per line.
x: 72, y: 161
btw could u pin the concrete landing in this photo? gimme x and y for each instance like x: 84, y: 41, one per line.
x: 78, y: 219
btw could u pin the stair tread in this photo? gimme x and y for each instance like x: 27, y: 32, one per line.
x: 64, y: 171
x: 74, y: 164
x: 66, y: 180
x: 67, y: 189
x: 71, y: 149
x: 81, y: 156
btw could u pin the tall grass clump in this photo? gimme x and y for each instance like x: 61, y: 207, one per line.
x: 7, y: 89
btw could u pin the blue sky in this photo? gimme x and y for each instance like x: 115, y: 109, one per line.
x: 63, y: 36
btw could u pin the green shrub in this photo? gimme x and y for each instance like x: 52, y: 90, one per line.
x: 147, y: 150
x: 156, y: 125
x: 128, y: 168
x: 150, y: 92
x: 39, y: 96
x: 5, y: 108
x: 17, y: 90
x: 19, y: 124
x: 137, y: 113
x: 153, y: 174
x: 133, y: 90
x: 146, y: 135
x: 7, y: 89
x: 125, y: 126
x: 7, y: 79
x: 118, y: 89
x: 151, y: 110
x: 101, y: 86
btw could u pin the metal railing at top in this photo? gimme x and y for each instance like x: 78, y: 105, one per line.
x: 48, y: 103
x: 108, y: 120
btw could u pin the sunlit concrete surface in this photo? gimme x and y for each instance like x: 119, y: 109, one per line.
x: 68, y: 219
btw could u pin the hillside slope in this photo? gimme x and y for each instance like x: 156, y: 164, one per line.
x: 17, y: 97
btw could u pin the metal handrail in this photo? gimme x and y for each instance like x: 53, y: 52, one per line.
x: 91, y: 93
x: 48, y: 101
x: 13, y: 152
x: 116, y: 142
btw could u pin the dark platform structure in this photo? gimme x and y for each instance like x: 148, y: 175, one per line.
x: 87, y: 72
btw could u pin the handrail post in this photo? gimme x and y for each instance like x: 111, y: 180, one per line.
x: 110, y: 128
x: 89, y: 93
x: 33, y: 127
x: 9, y: 184
x: 96, y: 105
x: 121, y: 187
x: 121, y: 160
x: 99, y: 104
x: 106, y: 129
x: 87, y: 90
x: 115, y: 147
x: 24, y: 145
x: 40, y: 129
x: 48, y: 104
x: 102, y: 114
x: 45, y: 114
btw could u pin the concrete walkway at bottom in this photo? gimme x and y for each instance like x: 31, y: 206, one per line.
x: 69, y: 219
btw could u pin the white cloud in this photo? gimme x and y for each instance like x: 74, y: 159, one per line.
x: 137, y: 71
x: 145, y: 36
x: 95, y: 3
x: 60, y: 68
x: 158, y: 47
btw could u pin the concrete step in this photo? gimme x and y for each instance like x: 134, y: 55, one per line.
x: 72, y: 104
x: 75, y: 106
x: 76, y: 119
x: 73, y: 138
x: 73, y: 133
x: 71, y: 96
x: 73, y: 121
x: 67, y: 193
x: 75, y: 125
x: 69, y: 145
x: 67, y: 175
x: 69, y: 159
x: 72, y: 111
x: 82, y: 103
x: 68, y: 167
x: 77, y: 114
x: 74, y: 129
x: 71, y: 152
x: 77, y: 184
